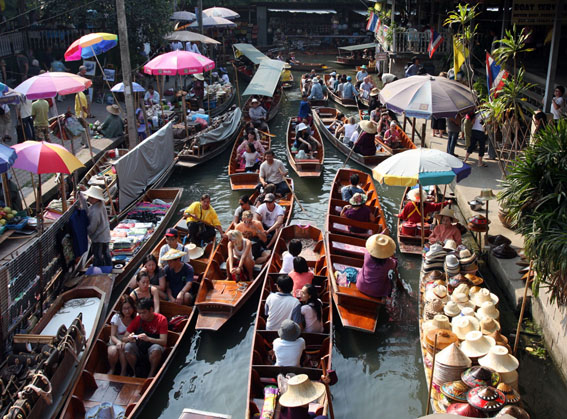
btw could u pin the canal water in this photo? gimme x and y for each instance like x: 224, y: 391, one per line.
x: 379, y: 375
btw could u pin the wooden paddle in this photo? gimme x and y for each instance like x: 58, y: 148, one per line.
x: 267, y: 133
x: 291, y: 190
x: 431, y: 378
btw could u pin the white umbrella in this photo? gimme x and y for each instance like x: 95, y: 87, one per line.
x: 214, y: 22
x: 221, y: 12
x: 187, y: 36
x: 181, y: 15
x: 427, y: 96
x: 119, y: 88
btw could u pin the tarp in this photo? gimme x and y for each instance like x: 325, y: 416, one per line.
x: 138, y: 170
x: 250, y: 52
x: 308, y: 11
x: 224, y: 130
x: 359, y: 47
x: 265, y: 79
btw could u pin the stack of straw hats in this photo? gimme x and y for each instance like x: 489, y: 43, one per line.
x: 450, y: 363
x: 468, y: 261
x: 434, y: 258
x: 452, y: 265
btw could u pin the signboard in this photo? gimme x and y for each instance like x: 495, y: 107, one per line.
x: 109, y: 74
x: 537, y: 12
x: 381, y: 56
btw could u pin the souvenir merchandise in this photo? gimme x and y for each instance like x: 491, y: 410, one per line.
x: 487, y: 399
x: 466, y: 410
x: 444, y: 339
x: 514, y: 411
x: 488, y: 309
x: 483, y: 295
x: 432, y: 308
x: 456, y: 391
x: 439, y: 291
x: 439, y: 321
x: 452, y: 266
x: 489, y: 326
x: 480, y: 377
x: 450, y: 363
x: 512, y: 396
x: 451, y: 309
x: 462, y: 325
x: 499, y: 360
x: 476, y: 344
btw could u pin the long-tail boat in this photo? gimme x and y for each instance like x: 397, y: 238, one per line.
x: 346, y: 249
x: 323, y: 117
x: 312, y: 167
x: 317, y: 102
x: 221, y: 297
x: 411, y: 243
x: 347, y: 103
x: 300, y: 66
x: 238, y: 177
x: 317, y: 355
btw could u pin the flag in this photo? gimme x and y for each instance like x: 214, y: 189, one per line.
x: 378, y: 24
x: 460, y: 53
x: 495, y: 76
x: 372, y: 21
x: 434, y: 42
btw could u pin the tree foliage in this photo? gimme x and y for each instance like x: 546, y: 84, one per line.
x: 511, y: 46
x: 535, y: 197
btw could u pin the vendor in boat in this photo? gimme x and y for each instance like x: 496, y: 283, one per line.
x: 446, y: 229
x: 250, y: 139
x: 393, y: 135
x: 301, y: 392
x: 145, y: 290
x: 113, y: 126
x: 147, y: 336
x: 126, y: 312
x: 180, y: 278
x: 99, y: 227
x: 379, y: 269
x: 348, y: 191
x: 271, y: 215
x: 365, y: 144
x: 258, y: 115
x: 240, y: 261
x: 273, y: 171
x: 253, y: 230
x: 151, y: 97
x: 202, y: 220
x: 412, y: 209
x: 359, y: 212
x: 172, y: 242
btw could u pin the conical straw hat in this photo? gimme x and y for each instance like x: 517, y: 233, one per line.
x: 452, y: 356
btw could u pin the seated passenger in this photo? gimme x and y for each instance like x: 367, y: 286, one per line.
x: 348, y: 191
x: 254, y: 231
x: 446, y: 229
x: 337, y: 123
x: 179, y: 278
x: 359, y: 212
x: 379, y: 269
x: 156, y: 274
x: 147, y: 337
x: 293, y: 249
x: 243, y: 205
x: 240, y: 262
x: 306, y: 142
x: 145, y: 290
x: 365, y: 144
x: 300, y: 275
x: 272, y: 217
x: 311, y: 309
x: 348, y: 128
x: 172, y: 242
x: 282, y: 305
x: 289, y: 347
x: 118, y: 325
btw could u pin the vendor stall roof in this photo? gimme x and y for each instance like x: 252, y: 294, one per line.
x: 265, y: 79
x: 359, y: 47
x: 250, y: 52
x: 310, y: 11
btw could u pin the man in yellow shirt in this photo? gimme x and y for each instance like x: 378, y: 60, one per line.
x: 202, y: 220
x: 81, y: 106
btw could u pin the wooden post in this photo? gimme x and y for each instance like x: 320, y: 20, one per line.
x: 405, y: 121
x: 413, y: 122
x: 523, y: 309
x: 237, y: 88
x: 431, y: 379
x: 63, y: 193
x: 6, y: 190
x: 423, y: 128
x: 185, y: 114
x: 422, y: 216
x: 24, y: 203
x: 143, y: 108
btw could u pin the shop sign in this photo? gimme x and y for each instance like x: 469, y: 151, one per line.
x: 537, y: 12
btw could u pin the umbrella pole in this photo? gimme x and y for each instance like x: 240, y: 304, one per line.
x: 209, y: 97
x: 422, y: 217
x: 159, y: 91
x: 33, y: 187
x: 6, y: 190
x: 106, y: 80
x: 185, y: 115
x: 38, y: 205
x: 24, y: 203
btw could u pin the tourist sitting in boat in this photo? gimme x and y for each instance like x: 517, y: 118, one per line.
x: 337, y: 123
x: 113, y: 125
x: 305, y: 85
x: 145, y: 289
x: 282, y: 305
x: 249, y: 126
x: 374, y: 102
x: 366, y: 87
x: 379, y: 269
x: 253, y: 230
x: 202, y: 220
x: 147, y: 337
x: 126, y: 312
x: 273, y: 171
x: 311, y: 309
x: 258, y: 115
x: 244, y: 204
x: 393, y: 136
x: 359, y: 212
x: 348, y: 191
x: 305, y: 110
x: 289, y: 347
x: 412, y: 209
x: 179, y: 278
x: 306, y: 142
x: 361, y: 74
x: 384, y: 123
x: 316, y: 90
x: 446, y: 229
x: 271, y: 215
x: 292, y: 59
x: 293, y: 250
x: 301, y: 392
x: 347, y: 129
x: 300, y: 275
x: 365, y: 144
x: 270, y: 188
x: 252, y: 158
x: 251, y: 138
x: 240, y: 251
x: 172, y: 242
x: 98, y: 229
x: 349, y: 91
x: 331, y: 82
x: 156, y: 274
x: 151, y: 97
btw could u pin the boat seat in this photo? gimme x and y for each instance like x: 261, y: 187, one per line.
x: 257, y: 268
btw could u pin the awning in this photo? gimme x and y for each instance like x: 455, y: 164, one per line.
x: 265, y: 79
x: 250, y: 52
x: 309, y: 11
x: 359, y: 47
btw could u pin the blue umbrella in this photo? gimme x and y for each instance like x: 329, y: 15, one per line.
x: 7, y: 157
x: 3, y: 88
x: 119, y: 88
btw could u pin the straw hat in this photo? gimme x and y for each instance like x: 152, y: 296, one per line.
x: 375, y: 92
x: 444, y: 338
x: 368, y: 126
x: 510, y: 378
x: 456, y: 391
x: 479, y: 376
x: 483, y: 296
x: 452, y: 356
x: 462, y: 288
x: 199, y: 76
x: 450, y: 245
x: 435, y: 251
x: 358, y: 199
x: 95, y: 192
x: 467, y: 308
x: 464, y: 410
x: 452, y: 262
x: 413, y: 195
x: 173, y: 254
x: 462, y: 325
x: 514, y: 411
x: 459, y: 297
x: 432, y: 308
x: 473, y: 279
x: 498, y: 336
x: 440, y: 291
x: 451, y: 309
x: 440, y: 321
x: 476, y: 344
x: 194, y: 251
x: 113, y: 109
x: 500, y: 360
x: 289, y: 330
x: 488, y: 326
x: 488, y: 309
x: 466, y: 257
x: 512, y: 396
x: 446, y: 212
x: 434, y: 276
x: 301, y: 127
x: 254, y: 101
x: 473, y: 290
x: 487, y: 399
x: 301, y: 391
x: 381, y: 246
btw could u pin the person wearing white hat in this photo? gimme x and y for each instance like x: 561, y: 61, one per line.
x: 258, y: 115
x: 380, y: 268
x: 306, y: 142
x: 316, y: 90
x: 99, y: 227
x: 446, y: 229
x: 113, y: 125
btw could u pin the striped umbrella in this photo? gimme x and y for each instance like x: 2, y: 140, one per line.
x: 43, y: 157
x: 91, y: 45
x: 50, y: 84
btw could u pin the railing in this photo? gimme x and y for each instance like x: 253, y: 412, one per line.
x: 413, y: 42
x: 11, y: 43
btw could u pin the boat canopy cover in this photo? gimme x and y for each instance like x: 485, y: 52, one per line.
x: 265, y: 79
x: 250, y: 52
x: 144, y: 164
x: 359, y: 47
x: 227, y: 127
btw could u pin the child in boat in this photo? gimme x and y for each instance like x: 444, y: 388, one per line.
x: 293, y: 250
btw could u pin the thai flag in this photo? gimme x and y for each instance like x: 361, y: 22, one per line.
x: 434, y: 42
x: 495, y: 76
x: 372, y: 21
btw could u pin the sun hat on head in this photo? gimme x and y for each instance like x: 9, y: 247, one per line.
x: 349, y: 78
x: 301, y: 127
x: 499, y: 360
x: 289, y: 330
x: 113, y: 109
x: 194, y: 251
x: 358, y: 199
x: 368, y: 127
x: 413, y: 195
x: 95, y: 192
x: 363, y: 66
x: 446, y: 212
x: 375, y: 92
x: 254, y: 101
x: 301, y: 391
x: 381, y: 246
x: 333, y: 73
x: 199, y: 76
x: 173, y: 254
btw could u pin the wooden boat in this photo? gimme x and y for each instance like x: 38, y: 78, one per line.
x: 169, y: 195
x: 288, y: 84
x: 317, y: 102
x: 319, y: 345
x: 220, y: 297
x: 308, y: 66
x: 305, y: 167
x: 93, y: 292
x: 222, y: 107
x: 239, y: 179
x: 411, y: 244
x: 199, y: 414
x: 347, y: 103
x: 273, y: 108
x: 131, y: 393
x: 245, y: 72
x: 323, y: 117
x: 195, y: 153
x: 345, y: 249
x: 348, y: 61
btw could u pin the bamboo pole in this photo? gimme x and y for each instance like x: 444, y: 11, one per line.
x: 422, y: 216
x: 24, y: 203
x: 6, y: 190
x: 325, y: 366
x: 523, y: 309
x: 431, y: 378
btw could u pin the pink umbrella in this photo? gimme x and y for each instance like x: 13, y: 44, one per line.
x: 178, y: 62
x: 50, y: 84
